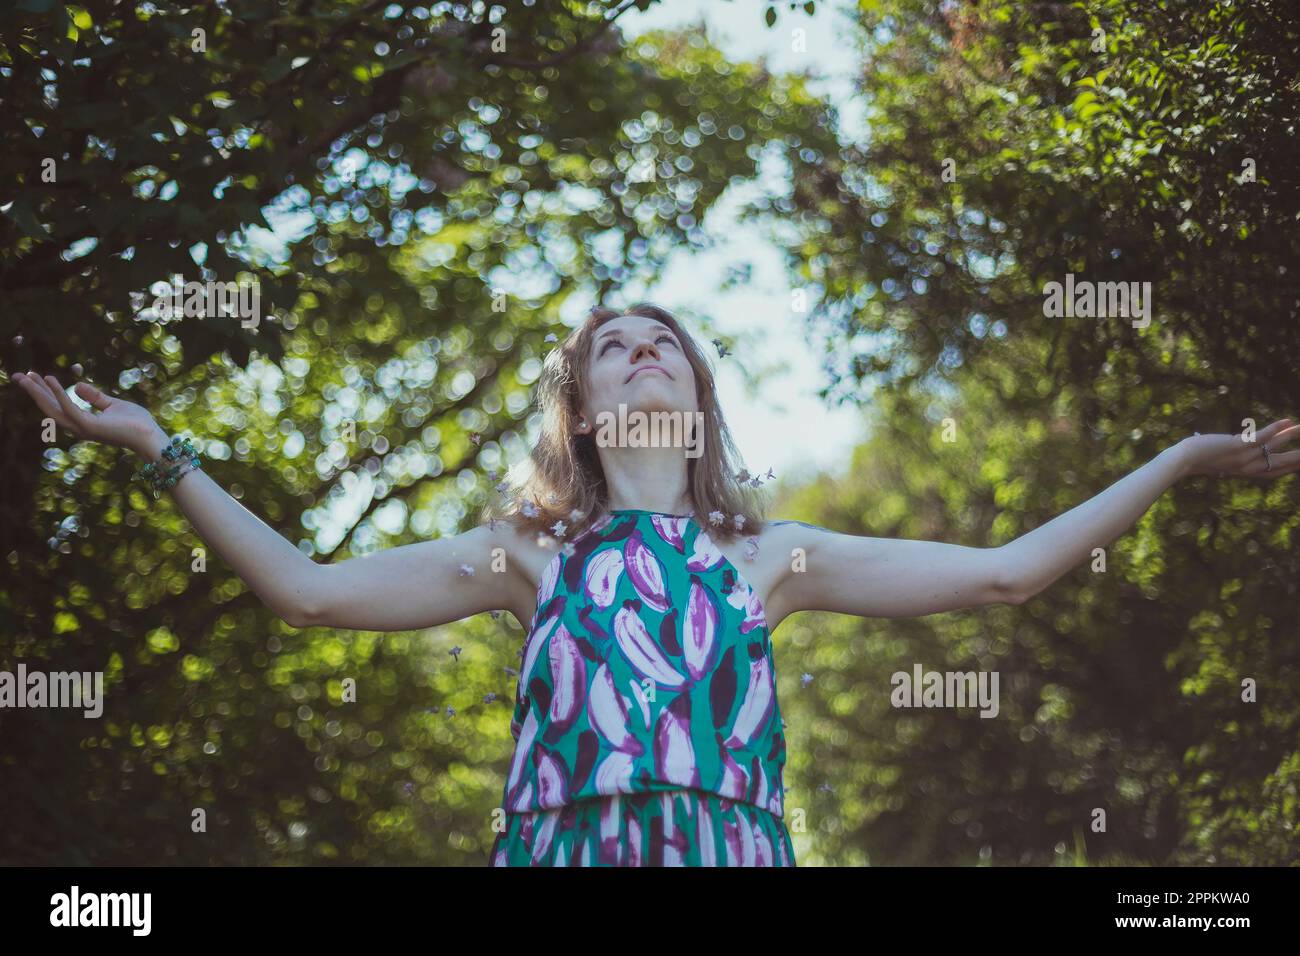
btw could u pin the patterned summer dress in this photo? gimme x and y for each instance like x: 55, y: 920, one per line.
x: 646, y: 721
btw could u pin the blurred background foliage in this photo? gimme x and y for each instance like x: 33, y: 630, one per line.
x: 1108, y: 140
x: 453, y: 197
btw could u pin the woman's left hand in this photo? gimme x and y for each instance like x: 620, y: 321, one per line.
x: 1230, y: 456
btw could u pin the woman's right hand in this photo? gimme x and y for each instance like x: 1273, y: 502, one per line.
x: 117, y: 422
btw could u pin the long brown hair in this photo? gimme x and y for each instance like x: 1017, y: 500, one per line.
x: 563, y: 477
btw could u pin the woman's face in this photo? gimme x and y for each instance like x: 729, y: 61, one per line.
x: 639, y: 362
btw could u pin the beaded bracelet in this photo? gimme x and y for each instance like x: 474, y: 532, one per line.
x: 162, y: 478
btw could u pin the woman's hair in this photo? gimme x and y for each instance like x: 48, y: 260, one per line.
x: 563, y: 473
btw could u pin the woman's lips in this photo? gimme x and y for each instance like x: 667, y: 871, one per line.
x: 646, y: 368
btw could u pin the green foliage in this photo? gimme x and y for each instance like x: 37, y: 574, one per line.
x: 451, y: 194
x: 1122, y: 690
x: 454, y: 197
x: 1122, y: 164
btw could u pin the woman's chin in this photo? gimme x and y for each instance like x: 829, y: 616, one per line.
x: 650, y: 405
x: 651, y: 393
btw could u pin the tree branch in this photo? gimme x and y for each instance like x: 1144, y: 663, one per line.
x: 375, y: 503
x: 563, y: 55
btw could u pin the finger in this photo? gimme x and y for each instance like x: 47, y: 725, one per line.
x: 1279, y: 438
x: 1282, y: 463
x: 1269, y: 431
x: 93, y: 396
x: 42, y: 397
x: 38, y: 383
x: 76, y: 417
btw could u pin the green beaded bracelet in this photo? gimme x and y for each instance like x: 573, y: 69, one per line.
x: 182, y: 458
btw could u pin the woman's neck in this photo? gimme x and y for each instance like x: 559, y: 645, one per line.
x: 647, y: 479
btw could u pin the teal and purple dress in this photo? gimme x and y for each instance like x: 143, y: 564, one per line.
x: 646, y: 724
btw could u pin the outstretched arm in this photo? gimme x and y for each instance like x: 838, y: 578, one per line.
x: 876, y: 577
x: 888, y: 577
x: 1035, y: 560
x: 424, y: 584
x: 401, y: 588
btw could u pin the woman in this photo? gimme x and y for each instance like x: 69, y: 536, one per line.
x: 646, y: 721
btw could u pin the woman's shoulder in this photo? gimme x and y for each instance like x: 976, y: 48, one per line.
x: 520, y: 544
x: 786, y: 527
x: 782, y: 537
x: 512, y: 546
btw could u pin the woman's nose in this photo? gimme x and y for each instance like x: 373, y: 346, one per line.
x: 644, y: 348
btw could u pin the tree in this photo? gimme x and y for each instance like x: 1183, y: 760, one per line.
x: 457, y: 182
x: 1013, y: 144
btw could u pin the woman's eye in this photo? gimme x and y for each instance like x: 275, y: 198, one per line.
x: 612, y: 342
